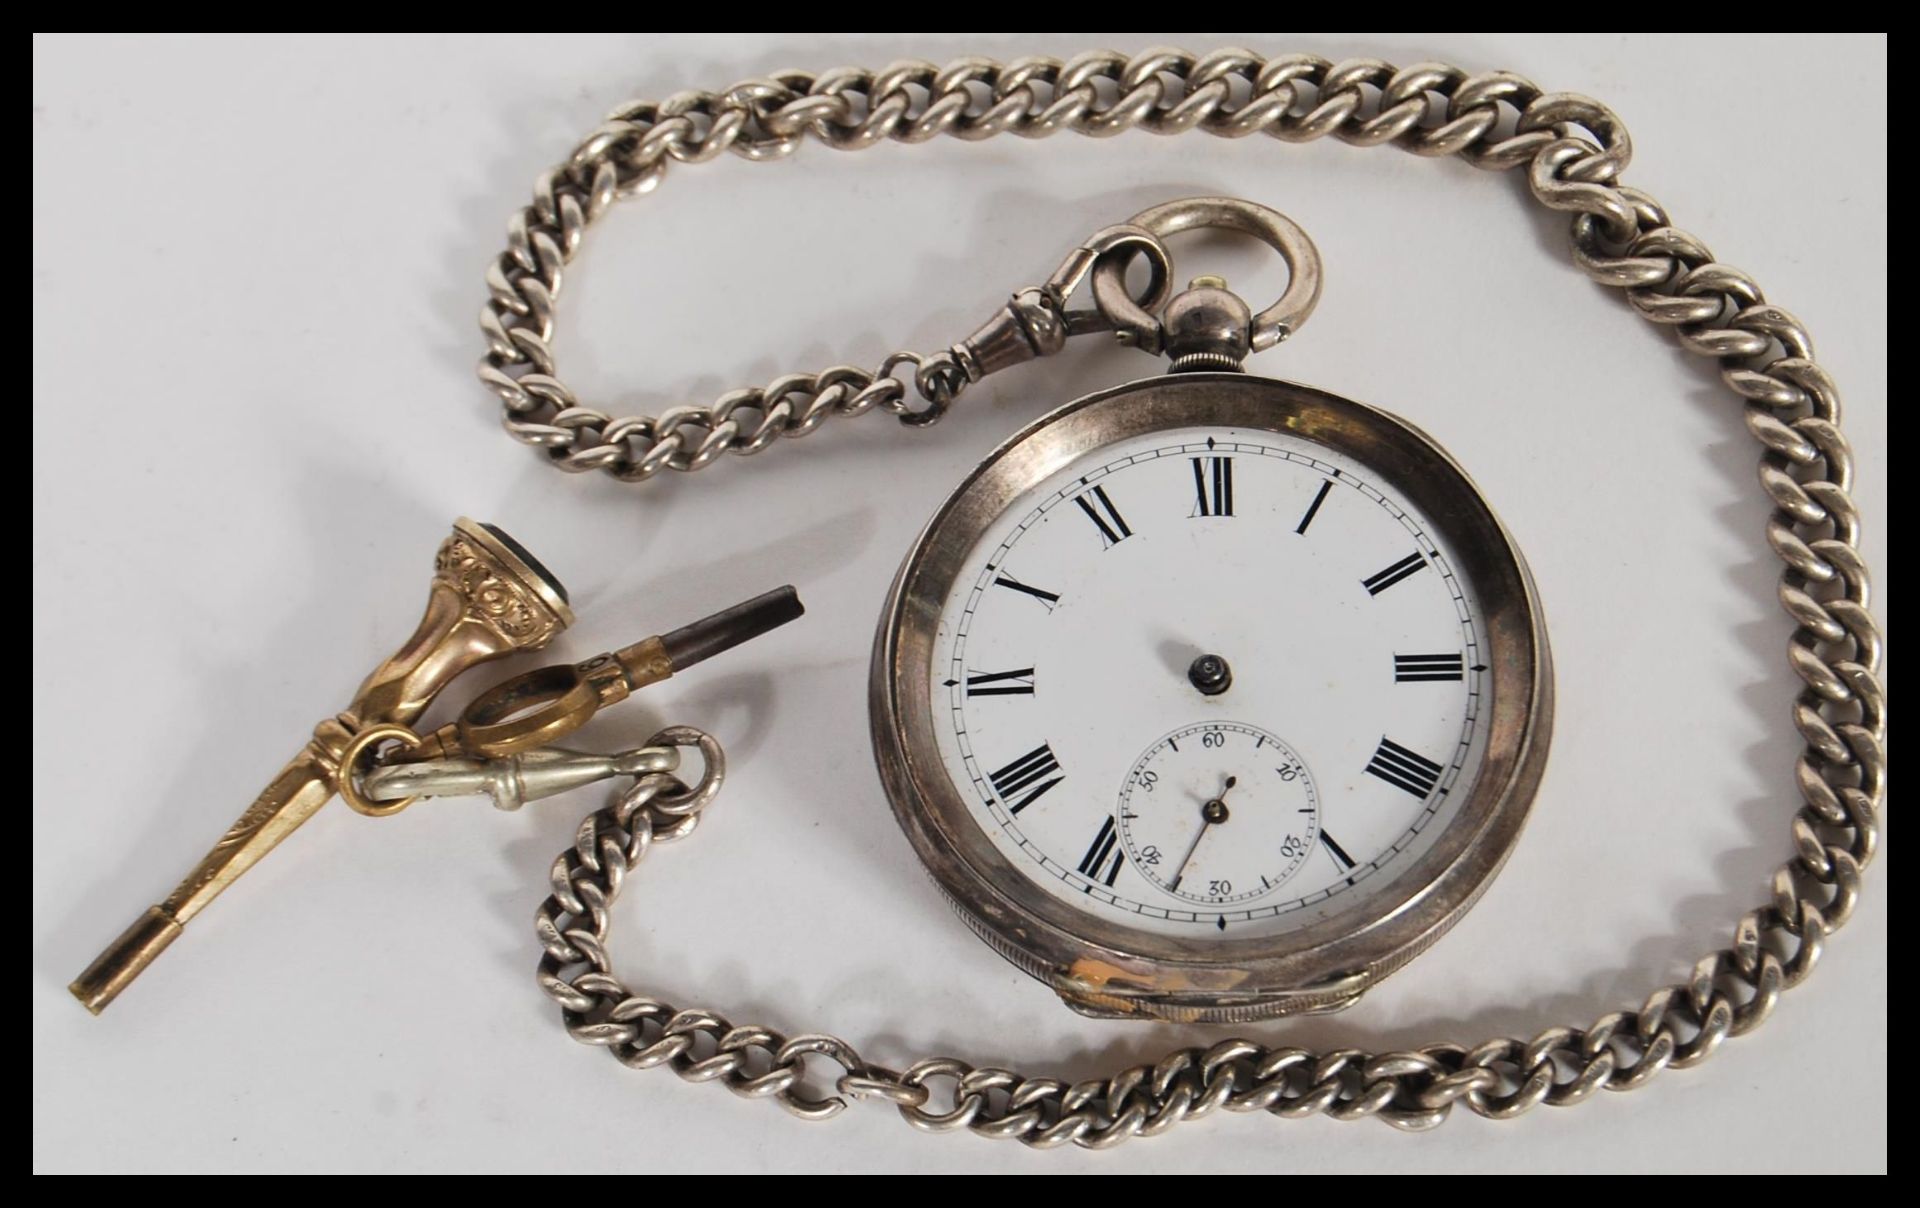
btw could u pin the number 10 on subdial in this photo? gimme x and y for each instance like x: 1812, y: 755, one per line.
x: 1219, y: 812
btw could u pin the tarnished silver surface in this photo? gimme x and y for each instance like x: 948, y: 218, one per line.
x: 1271, y: 227
x: 1110, y: 969
x: 1574, y: 150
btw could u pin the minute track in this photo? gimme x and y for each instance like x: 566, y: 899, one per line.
x: 1045, y: 637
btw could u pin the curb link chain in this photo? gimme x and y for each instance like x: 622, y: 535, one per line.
x: 1574, y: 150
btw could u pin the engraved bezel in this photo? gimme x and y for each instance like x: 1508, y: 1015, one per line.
x: 1103, y: 966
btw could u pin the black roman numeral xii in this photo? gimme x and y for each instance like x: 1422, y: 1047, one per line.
x: 1212, y: 486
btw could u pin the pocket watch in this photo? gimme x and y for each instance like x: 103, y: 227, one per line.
x: 1205, y: 698
x: 1208, y: 697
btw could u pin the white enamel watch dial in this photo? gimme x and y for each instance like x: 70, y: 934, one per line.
x: 1212, y: 697
x: 1067, y: 702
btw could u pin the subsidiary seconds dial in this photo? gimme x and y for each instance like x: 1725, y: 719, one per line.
x: 1219, y: 812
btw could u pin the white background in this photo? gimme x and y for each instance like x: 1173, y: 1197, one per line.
x: 256, y: 269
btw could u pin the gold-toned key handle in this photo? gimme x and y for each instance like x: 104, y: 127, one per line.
x: 489, y: 598
x: 544, y: 706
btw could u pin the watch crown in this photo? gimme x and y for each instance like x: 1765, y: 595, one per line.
x: 1207, y: 327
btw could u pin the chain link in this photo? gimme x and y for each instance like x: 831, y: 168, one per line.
x: 1574, y: 150
x: 1494, y: 120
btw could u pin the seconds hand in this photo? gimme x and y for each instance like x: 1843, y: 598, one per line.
x: 1215, y: 810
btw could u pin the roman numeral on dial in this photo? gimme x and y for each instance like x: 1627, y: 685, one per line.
x: 1104, y: 857
x: 1337, y: 852
x: 1418, y: 668
x: 1313, y: 509
x: 1099, y: 509
x: 1032, y: 775
x: 1005, y: 683
x: 1404, y: 769
x: 1412, y: 564
x: 1212, y: 486
x: 1047, y: 598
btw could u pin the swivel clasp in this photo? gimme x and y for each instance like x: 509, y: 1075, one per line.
x: 1205, y: 326
x: 1037, y: 323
